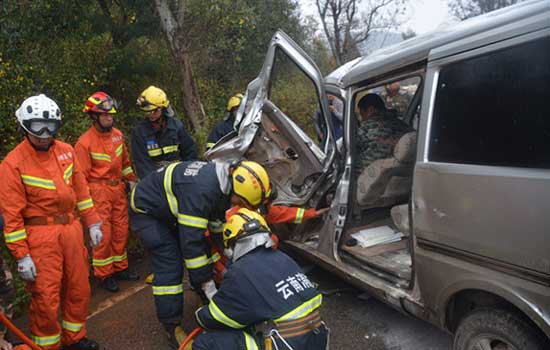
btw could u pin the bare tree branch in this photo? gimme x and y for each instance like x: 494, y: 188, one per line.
x: 347, y: 30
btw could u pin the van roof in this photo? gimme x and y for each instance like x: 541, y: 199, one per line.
x: 417, y: 49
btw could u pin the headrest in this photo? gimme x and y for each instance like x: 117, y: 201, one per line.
x: 405, y: 149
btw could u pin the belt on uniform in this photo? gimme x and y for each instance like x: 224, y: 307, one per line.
x: 300, y: 326
x: 62, y: 219
x: 109, y: 182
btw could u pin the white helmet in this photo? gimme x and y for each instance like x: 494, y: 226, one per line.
x: 39, y: 116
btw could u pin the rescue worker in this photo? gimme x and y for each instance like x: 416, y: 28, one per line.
x: 42, y: 187
x: 104, y: 159
x: 171, y: 210
x: 379, y: 131
x: 265, y: 291
x: 226, y: 125
x: 162, y: 138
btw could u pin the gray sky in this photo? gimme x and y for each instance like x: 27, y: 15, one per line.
x: 423, y: 15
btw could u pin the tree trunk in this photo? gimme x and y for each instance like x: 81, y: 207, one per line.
x: 174, y: 30
x: 192, y: 106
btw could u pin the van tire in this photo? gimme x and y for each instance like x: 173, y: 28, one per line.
x: 489, y: 326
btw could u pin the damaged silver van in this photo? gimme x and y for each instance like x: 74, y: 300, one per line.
x: 453, y: 226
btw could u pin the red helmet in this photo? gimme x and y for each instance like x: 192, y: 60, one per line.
x: 100, y: 102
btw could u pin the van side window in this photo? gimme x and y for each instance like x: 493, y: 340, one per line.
x: 495, y: 109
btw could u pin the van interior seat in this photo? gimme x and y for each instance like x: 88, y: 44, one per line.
x: 387, y: 182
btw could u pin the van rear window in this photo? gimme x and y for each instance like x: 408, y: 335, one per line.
x: 495, y: 109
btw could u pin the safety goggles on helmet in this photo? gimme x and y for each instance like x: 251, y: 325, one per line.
x: 107, y: 105
x: 42, y: 128
x: 145, y: 105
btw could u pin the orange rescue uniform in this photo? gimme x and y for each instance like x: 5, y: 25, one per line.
x: 105, y: 163
x: 276, y: 214
x: 39, y: 195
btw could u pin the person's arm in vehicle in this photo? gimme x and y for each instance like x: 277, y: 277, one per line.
x: 283, y: 214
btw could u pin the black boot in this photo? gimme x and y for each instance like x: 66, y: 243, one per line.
x: 176, y: 335
x: 126, y: 275
x: 82, y: 344
x: 109, y: 284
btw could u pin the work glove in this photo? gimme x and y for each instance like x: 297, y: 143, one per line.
x: 209, y: 289
x: 95, y: 234
x: 26, y: 268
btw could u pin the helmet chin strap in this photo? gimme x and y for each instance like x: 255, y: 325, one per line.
x: 39, y: 148
x: 100, y: 127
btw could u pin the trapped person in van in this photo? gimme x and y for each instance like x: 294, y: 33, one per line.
x: 225, y: 126
x: 42, y: 188
x: 105, y: 163
x: 379, y: 131
x: 265, y: 300
x: 160, y: 139
x: 395, y: 98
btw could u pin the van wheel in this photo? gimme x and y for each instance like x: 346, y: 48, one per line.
x: 494, y: 329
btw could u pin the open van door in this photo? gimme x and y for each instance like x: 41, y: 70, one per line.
x: 283, y: 123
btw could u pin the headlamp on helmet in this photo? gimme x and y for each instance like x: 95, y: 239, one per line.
x: 243, y: 223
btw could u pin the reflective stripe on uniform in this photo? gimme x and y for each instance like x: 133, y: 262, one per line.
x: 221, y: 317
x: 192, y: 221
x: 168, y: 290
x: 302, y: 310
x: 170, y: 197
x: 72, y: 326
x: 44, y: 341
x: 170, y: 149
x: 197, y: 262
x: 68, y: 173
x: 101, y: 156
x: 132, y: 202
x: 250, y: 342
x: 216, y: 257
x: 119, y: 258
x: 118, y: 150
x: 38, y: 182
x: 154, y: 152
x: 299, y: 216
x: 102, y: 262
x: 15, y: 236
x: 127, y: 171
x: 85, y: 204
x: 215, y: 226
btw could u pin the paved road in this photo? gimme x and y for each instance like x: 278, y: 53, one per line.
x: 126, y: 320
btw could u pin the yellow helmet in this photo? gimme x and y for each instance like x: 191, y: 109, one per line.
x: 234, y: 101
x: 251, y: 182
x: 152, y: 98
x: 244, y: 222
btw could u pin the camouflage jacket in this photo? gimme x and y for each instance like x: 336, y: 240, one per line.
x: 377, y: 137
x: 398, y: 103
